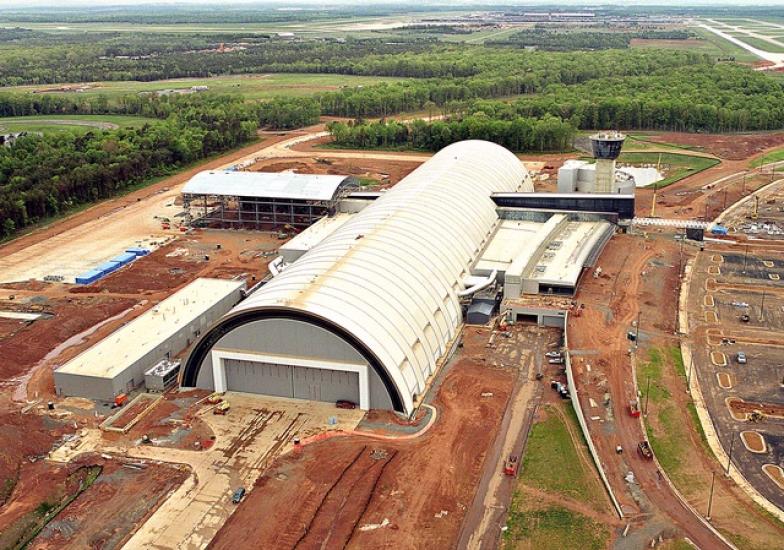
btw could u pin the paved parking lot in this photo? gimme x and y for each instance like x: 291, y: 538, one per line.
x: 727, y: 287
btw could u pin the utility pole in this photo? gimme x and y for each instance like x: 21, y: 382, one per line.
x: 688, y: 376
x: 637, y: 331
x: 647, y: 394
x: 725, y: 200
x: 762, y: 307
x: 745, y: 257
x: 744, y: 182
x: 729, y: 458
x: 710, y: 499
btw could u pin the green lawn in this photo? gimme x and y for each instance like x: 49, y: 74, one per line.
x: 665, y: 426
x: 773, y: 156
x: 80, y: 124
x: 554, y: 463
x: 678, y: 166
x: 550, y: 446
x: 552, y: 528
x: 257, y: 86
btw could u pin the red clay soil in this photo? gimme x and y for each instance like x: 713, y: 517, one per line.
x: 724, y: 146
x: 164, y: 419
x: 108, y: 513
x: 330, y: 492
x: 769, y: 409
x: 72, y: 316
x: 637, y: 277
x: 24, y: 437
x: 383, y: 171
x: 696, y: 196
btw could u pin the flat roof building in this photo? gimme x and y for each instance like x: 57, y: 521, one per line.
x: 117, y: 363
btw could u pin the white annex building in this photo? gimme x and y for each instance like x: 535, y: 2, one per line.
x: 367, y: 312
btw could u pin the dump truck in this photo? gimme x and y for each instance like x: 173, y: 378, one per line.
x: 634, y: 408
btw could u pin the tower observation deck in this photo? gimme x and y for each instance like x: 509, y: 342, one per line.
x: 606, y: 147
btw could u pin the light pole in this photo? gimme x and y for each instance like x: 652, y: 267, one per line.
x: 710, y: 499
x: 647, y: 394
x: 762, y: 307
x: 688, y: 376
x: 729, y: 458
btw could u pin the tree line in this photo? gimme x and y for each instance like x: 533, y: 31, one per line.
x: 582, y: 40
x: 42, y: 176
x: 519, y: 134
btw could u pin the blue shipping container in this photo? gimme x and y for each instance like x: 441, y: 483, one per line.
x: 88, y: 277
x: 108, y: 267
x: 124, y: 258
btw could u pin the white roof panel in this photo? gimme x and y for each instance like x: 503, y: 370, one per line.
x: 277, y: 185
x: 390, y: 275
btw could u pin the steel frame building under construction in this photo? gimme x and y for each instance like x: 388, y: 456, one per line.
x: 263, y: 200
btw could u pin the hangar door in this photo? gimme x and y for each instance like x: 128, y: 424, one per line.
x: 291, y: 381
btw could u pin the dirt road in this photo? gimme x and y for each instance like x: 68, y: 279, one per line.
x: 598, y: 338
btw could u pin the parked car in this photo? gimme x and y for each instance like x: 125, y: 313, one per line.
x: 238, y: 494
x: 556, y: 360
x: 345, y: 404
x: 741, y: 358
x: 553, y: 354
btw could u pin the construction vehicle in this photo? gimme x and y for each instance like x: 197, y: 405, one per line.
x: 644, y: 450
x: 634, y: 408
x: 238, y: 494
x: 510, y: 466
x: 221, y: 408
x: 215, y: 398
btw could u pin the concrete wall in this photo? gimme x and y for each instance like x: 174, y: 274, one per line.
x: 294, y: 338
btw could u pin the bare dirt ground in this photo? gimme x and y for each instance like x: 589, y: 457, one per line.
x: 105, y: 515
x: 358, y: 493
x: 641, y: 275
x: 704, y: 195
x: 724, y: 146
x: 385, y: 172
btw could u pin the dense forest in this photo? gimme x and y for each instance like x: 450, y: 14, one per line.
x: 518, y: 134
x: 43, y: 176
x: 582, y: 40
x: 525, y: 100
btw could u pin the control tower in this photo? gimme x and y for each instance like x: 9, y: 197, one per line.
x: 606, y: 147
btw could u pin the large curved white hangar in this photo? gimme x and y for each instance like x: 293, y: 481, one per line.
x: 366, y: 314
x: 375, y: 299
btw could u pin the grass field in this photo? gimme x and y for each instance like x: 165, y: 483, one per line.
x: 677, y: 166
x: 773, y: 156
x: 716, y: 45
x: 548, y: 522
x: 666, y: 432
x: 760, y: 44
x: 251, y: 86
x: 80, y: 124
x: 552, y: 527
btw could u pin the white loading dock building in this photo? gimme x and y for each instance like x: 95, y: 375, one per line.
x: 117, y: 364
x: 369, y: 311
